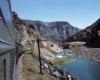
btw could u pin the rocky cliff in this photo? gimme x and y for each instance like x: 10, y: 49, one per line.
x: 54, y: 31
x: 26, y: 36
x: 90, y: 35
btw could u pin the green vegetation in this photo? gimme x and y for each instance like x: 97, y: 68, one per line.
x: 58, y: 61
x: 31, y: 70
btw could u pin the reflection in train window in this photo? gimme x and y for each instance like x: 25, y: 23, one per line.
x: 3, y: 70
x: 0, y: 16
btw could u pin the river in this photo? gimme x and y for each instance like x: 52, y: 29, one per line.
x: 83, y: 69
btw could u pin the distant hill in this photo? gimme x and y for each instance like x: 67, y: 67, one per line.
x: 54, y: 31
x: 90, y: 35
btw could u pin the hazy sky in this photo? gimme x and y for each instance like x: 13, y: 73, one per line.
x: 79, y: 13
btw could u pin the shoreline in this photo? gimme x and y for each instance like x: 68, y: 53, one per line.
x: 68, y: 62
x: 85, y: 56
x: 87, y: 59
x: 65, y: 62
x: 86, y: 53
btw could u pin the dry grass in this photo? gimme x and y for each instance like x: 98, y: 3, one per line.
x: 59, y: 61
x: 31, y: 70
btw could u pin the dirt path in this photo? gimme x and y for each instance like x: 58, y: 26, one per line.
x: 19, y: 69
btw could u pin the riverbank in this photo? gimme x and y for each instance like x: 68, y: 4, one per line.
x: 86, y: 53
x: 59, y: 61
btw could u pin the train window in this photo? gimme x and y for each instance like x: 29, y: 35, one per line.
x: 0, y: 16
x: 3, y: 70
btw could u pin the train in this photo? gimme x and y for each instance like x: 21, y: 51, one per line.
x: 7, y: 42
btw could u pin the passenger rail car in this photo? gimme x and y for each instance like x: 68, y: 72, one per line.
x: 7, y: 42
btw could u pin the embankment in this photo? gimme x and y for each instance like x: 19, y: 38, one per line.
x: 86, y: 53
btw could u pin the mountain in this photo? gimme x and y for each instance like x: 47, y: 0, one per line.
x: 90, y: 35
x: 54, y: 31
x: 27, y: 54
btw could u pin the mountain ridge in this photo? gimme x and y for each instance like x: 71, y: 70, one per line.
x: 54, y: 31
x: 90, y: 35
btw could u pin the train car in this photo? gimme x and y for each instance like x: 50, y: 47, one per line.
x: 7, y: 42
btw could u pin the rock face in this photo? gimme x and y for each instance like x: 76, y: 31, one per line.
x: 90, y: 35
x: 54, y: 31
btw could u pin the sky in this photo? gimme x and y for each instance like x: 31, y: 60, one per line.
x: 79, y: 13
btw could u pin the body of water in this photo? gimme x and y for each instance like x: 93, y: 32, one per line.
x: 83, y: 69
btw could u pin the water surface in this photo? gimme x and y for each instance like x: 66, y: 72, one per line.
x: 84, y: 69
